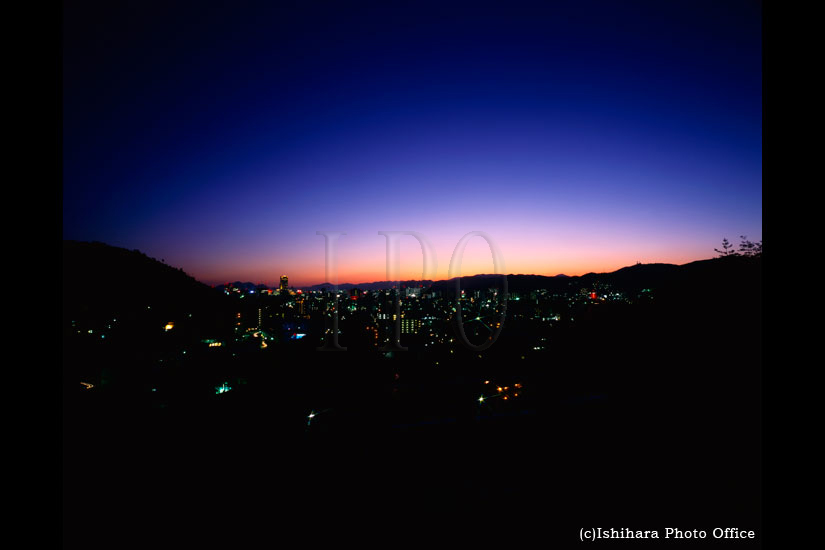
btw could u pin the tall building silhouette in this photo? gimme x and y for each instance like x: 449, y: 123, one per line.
x: 284, y: 283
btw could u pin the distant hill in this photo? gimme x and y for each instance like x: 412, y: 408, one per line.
x: 641, y: 275
x: 514, y: 282
x: 377, y: 285
x: 631, y: 278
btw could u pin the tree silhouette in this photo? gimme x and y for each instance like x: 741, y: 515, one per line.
x: 748, y: 248
x: 727, y: 249
x: 757, y: 249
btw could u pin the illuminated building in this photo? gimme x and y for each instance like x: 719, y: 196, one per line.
x: 373, y: 332
x: 284, y: 283
x: 410, y: 326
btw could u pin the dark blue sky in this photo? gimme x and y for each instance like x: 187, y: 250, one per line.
x: 582, y: 135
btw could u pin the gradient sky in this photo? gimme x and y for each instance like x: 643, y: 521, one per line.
x: 582, y: 136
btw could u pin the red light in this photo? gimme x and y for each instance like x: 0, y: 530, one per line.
x: 299, y: 291
x: 593, y: 295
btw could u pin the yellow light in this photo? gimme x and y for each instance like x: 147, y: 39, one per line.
x: 169, y: 326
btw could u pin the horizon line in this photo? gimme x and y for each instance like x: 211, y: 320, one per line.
x: 473, y: 275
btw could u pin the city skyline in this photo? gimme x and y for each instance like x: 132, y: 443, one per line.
x: 581, y: 138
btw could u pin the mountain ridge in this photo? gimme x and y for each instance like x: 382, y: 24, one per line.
x: 628, y: 276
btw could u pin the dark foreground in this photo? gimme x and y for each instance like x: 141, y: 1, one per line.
x: 640, y: 417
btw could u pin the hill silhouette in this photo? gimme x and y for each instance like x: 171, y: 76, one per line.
x: 375, y: 285
x: 106, y: 279
x: 631, y: 278
x: 123, y: 299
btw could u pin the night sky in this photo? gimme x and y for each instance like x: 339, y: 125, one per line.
x: 582, y: 136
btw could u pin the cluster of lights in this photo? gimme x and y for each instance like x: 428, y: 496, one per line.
x: 503, y: 391
x: 417, y: 318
